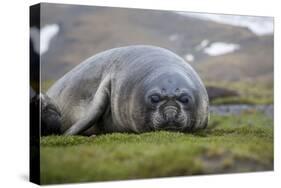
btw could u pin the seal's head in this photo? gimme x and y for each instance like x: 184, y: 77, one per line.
x: 172, y: 103
x: 160, y: 91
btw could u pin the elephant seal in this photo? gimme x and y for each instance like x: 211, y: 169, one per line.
x: 130, y: 89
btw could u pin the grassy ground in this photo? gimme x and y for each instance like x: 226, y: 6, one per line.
x: 249, y: 92
x: 46, y: 85
x: 230, y: 144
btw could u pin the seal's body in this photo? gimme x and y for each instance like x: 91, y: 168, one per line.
x: 131, y: 89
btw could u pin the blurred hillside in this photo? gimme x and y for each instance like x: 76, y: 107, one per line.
x: 86, y: 30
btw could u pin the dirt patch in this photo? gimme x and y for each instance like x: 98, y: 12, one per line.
x: 222, y: 161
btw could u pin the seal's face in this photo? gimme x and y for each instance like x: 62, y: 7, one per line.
x: 171, y: 104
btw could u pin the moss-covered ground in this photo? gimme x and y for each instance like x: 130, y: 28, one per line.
x: 230, y: 144
x: 248, y: 92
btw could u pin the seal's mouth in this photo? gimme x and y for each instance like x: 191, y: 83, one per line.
x: 172, y: 128
x: 169, y: 126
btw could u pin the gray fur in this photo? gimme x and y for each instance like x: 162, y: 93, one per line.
x: 109, y: 91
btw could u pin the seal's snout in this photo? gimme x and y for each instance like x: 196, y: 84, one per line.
x: 170, y: 114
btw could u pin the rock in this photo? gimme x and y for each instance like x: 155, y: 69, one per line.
x: 217, y: 92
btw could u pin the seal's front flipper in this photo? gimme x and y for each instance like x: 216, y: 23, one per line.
x: 50, y: 116
x: 98, y: 107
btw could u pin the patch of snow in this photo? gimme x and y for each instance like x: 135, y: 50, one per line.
x: 220, y: 48
x: 257, y: 24
x: 173, y: 37
x: 189, y: 57
x: 204, y: 43
x: 45, y: 36
x: 35, y: 38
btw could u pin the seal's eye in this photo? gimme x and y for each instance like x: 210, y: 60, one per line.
x: 184, y: 99
x: 155, y: 98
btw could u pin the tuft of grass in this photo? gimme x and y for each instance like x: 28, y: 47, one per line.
x: 230, y: 144
x: 242, y: 100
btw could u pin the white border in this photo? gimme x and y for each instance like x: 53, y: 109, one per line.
x: 14, y: 93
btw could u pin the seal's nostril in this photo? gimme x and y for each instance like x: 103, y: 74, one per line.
x: 169, y: 117
x: 170, y: 113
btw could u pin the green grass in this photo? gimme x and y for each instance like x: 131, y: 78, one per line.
x: 249, y: 92
x: 242, y: 100
x: 230, y: 144
x: 46, y: 85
